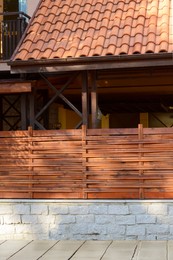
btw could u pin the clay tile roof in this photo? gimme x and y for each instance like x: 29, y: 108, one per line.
x: 86, y: 28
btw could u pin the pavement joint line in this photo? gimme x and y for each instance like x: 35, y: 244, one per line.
x: 20, y: 249
x: 135, y: 250
x: 77, y: 250
x: 106, y: 249
x: 135, y: 256
x: 48, y: 250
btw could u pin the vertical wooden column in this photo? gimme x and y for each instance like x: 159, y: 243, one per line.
x: 30, y: 176
x: 84, y: 161
x: 85, y: 118
x: 1, y: 114
x: 1, y: 18
x: 23, y: 111
x: 85, y: 99
x: 141, y: 163
x: 32, y: 110
x: 94, y: 99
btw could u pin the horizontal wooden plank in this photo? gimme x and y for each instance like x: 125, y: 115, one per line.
x: 42, y: 190
x: 59, y: 132
x: 112, y: 178
x: 109, y: 132
x: 58, y: 195
x: 15, y: 87
x: 111, y: 163
x: 101, y: 186
x: 13, y: 134
x: 46, y: 174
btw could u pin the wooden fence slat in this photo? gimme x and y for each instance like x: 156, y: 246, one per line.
x: 87, y: 163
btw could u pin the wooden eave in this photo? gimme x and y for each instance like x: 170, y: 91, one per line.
x: 93, y: 63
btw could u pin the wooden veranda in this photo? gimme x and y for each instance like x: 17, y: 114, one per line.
x: 86, y: 163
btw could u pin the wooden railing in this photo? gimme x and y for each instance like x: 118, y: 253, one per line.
x: 87, y: 163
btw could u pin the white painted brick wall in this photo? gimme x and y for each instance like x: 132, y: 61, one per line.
x: 92, y: 219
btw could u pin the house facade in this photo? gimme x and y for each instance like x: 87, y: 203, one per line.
x: 86, y: 138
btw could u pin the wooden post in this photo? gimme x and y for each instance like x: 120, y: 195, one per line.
x: 23, y: 111
x: 32, y: 110
x: 85, y: 100
x: 30, y: 177
x: 141, y: 163
x: 84, y: 160
x: 1, y: 114
x: 1, y: 19
x: 94, y: 100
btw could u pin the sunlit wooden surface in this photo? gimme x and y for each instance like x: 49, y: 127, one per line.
x: 129, y: 163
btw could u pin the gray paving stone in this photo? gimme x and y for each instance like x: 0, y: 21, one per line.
x: 170, y: 250
x: 123, y: 250
x: 34, y: 250
x: 86, y: 250
x: 155, y: 250
x: 93, y: 250
x: 63, y: 250
x: 10, y: 247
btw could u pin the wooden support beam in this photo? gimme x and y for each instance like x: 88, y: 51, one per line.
x: 85, y: 100
x: 94, y: 99
x: 14, y: 87
x: 32, y: 110
x: 23, y: 111
x: 1, y: 113
x: 58, y: 93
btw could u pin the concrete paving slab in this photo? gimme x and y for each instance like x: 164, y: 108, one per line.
x: 170, y: 250
x: 34, y: 250
x: 11, y: 247
x: 91, y: 250
x: 86, y: 250
x: 155, y: 250
x: 123, y: 250
x: 63, y: 250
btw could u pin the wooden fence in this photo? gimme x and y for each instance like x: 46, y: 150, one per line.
x: 87, y: 163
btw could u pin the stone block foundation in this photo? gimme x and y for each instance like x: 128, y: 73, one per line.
x: 86, y: 219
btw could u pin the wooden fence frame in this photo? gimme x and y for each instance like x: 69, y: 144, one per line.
x: 86, y: 163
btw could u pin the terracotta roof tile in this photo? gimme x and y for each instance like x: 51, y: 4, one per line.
x: 62, y: 29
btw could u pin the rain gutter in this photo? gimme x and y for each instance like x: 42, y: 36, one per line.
x: 92, y: 63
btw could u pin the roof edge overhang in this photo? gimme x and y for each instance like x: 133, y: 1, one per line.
x: 92, y: 63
